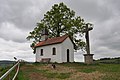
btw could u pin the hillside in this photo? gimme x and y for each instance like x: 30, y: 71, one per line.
x: 69, y: 71
x: 5, y: 63
x: 109, y: 60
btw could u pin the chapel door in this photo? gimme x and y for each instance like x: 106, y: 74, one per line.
x: 68, y: 55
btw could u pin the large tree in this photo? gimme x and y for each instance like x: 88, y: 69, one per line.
x: 60, y: 20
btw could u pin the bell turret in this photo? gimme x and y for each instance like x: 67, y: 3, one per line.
x: 44, y: 34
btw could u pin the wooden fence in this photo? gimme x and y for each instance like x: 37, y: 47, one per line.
x: 16, y: 66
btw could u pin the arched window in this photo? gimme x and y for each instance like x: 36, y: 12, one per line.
x: 68, y: 51
x: 41, y: 54
x: 54, y: 51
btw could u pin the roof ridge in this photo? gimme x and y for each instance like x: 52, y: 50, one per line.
x: 53, y: 40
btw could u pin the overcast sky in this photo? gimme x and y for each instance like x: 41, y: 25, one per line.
x: 19, y: 17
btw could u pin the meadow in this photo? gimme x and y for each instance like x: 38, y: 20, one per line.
x: 69, y: 71
x: 4, y: 67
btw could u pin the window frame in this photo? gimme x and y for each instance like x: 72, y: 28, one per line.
x: 53, y: 51
x: 41, y: 52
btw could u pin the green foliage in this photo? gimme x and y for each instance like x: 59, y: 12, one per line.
x: 60, y: 20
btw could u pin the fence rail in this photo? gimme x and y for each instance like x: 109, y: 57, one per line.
x: 9, y: 71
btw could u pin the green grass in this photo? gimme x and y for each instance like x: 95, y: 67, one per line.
x: 87, y: 70
x: 57, y: 75
x: 63, y: 75
x: 49, y: 74
x: 94, y: 67
x: 22, y: 76
x: 109, y: 71
x: 4, y: 70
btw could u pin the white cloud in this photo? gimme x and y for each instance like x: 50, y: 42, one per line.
x: 10, y: 49
x: 9, y: 31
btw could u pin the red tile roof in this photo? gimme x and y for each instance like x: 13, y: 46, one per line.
x: 50, y: 41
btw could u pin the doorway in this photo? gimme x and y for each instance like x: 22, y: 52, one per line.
x: 68, y: 55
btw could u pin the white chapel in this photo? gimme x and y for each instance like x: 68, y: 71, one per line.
x: 57, y: 49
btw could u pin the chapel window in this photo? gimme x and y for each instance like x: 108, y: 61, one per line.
x: 54, y: 51
x: 41, y: 54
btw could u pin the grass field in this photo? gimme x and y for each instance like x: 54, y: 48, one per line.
x: 4, y: 70
x: 69, y: 71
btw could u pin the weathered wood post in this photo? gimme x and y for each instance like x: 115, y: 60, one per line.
x: 88, y: 58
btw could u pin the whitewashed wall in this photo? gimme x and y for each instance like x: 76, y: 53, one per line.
x: 47, y: 53
x: 61, y: 52
x: 67, y: 44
